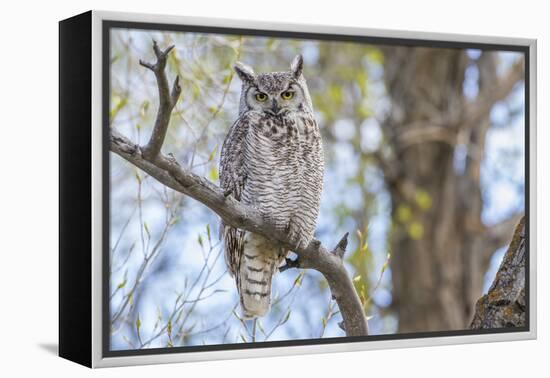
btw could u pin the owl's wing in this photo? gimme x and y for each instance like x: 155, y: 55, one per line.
x: 232, y: 181
x: 232, y: 177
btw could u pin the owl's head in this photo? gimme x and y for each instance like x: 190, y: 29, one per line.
x: 275, y: 92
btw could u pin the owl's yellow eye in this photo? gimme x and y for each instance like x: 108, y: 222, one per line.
x: 287, y: 95
x: 261, y: 96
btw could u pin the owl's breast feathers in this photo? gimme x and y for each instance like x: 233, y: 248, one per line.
x: 275, y: 163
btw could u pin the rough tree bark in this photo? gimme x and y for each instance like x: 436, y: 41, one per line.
x: 438, y: 275
x: 166, y: 170
x: 504, y: 304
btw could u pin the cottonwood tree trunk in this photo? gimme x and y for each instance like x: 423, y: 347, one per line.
x: 440, y: 247
x: 504, y: 305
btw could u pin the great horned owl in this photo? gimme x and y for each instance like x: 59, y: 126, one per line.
x: 272, y: 160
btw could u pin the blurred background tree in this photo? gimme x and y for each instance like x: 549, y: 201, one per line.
x: 437, y: 197
x: 425, y: 166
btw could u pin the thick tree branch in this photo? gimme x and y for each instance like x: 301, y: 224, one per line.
x: 500, y: 234
x: 426, y: 133
x: 492, y: 92
x: 504, y: 304
x: 168, y: 172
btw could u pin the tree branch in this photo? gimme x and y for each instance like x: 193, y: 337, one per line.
x: 500, y: 234
x: 504, y: 304
x: 426, y: 133
x: 495, y: 237
x: 492, y: 92
x: 167, y: 171
x: 167, y: 101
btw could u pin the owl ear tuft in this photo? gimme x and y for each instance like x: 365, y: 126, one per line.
x: 246, y: 73
x: 297, y: 66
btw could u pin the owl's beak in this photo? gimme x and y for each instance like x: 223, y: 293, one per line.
x: 275, y: 108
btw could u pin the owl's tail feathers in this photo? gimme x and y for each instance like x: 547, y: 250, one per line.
x: 256, y: 294
x: 259, y: 263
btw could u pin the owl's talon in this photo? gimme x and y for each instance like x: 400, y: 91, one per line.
x: 288, y: 228
x: 298, y: 242
x: 289, y: 264
x: 293, y: 238
x: 303, y: 243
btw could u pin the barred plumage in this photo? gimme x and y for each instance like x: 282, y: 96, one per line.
x: 271, y: 159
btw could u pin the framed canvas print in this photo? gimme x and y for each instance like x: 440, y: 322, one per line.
x: 237, y: 189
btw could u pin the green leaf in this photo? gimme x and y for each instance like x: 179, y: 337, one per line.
x: 423, y: 199
x: 214, y: 174
x: 416, y: 230
x: 196, y: 91
x: 213, y: 153
x: 299, y: 279
x: 286, y: 317
x: 227, y: 79
x: 199, y: 239
x: 122, y: 284
x: 138, y: 323
x: 147, y: 229
x: 336, y: 94
x: 144, y: 108
x: 260, y: 327
x: 364, y: 111
x: 376, y: 56
x: 404, y: 213
x: 118, y: 104
x: 386, y: 263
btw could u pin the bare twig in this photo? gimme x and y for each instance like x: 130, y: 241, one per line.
x: 222, y: 323
x: 379, y: 281
x: 170, y: 173
x: 215, y: 112
x: 180, y: 302
x: 139, y: 275
x: 285, y: 315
